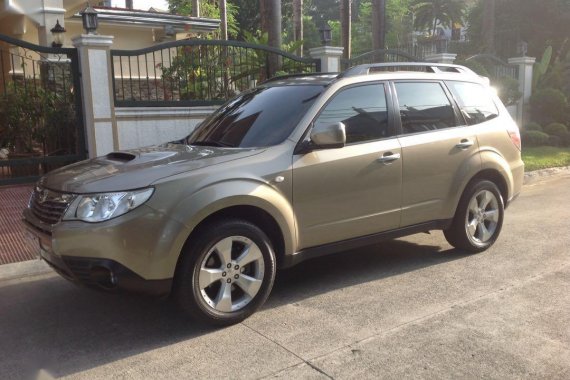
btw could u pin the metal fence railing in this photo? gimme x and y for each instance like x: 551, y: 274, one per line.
x: 41, y: 122
x: 197, y: 72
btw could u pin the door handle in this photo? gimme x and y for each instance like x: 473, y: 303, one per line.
x: 464, y: 144
x: 389, y: 157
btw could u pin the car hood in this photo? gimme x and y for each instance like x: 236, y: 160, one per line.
x: 138, y: 168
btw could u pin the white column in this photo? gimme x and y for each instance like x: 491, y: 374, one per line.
x: 48, y: 13
x: 97, y: 93
x: 441, y: 58
x: 525, y: 65
x: 329, y: 56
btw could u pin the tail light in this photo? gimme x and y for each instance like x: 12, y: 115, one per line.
x: 515, y: 135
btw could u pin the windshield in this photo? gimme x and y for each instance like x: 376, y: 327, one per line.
x: 261, y: 117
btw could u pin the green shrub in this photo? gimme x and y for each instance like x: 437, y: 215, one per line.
x: 548, y: 105
x: 556, y: 129
x: 554, y: 141
x: 565, y: 139
x: 534, y: 138
x: 532, y: 126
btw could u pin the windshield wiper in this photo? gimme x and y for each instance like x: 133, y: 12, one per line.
x: 212, y: 143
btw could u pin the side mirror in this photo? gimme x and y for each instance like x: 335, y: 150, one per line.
x: 328, y: 136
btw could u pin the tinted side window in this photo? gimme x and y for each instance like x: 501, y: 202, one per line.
x: 362, y: 110
x: 474, y: 102
x: 424, y: 107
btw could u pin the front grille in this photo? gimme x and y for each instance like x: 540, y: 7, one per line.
x: 49, y: 206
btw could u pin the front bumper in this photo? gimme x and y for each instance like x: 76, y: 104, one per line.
x: 104, y: 274
x: 136, y: 252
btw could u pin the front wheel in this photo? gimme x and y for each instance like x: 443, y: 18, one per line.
x: 227, y: 272
x: 478, y: 219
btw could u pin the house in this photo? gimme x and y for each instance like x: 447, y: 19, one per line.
x: 32, y: 20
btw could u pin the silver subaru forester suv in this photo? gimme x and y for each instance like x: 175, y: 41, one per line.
x: 299, y: 167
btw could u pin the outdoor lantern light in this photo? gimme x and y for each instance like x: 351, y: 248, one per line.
x: 326, y: 34
x: 89, y: 17
x: 57, y: 32
x: 522, y: 48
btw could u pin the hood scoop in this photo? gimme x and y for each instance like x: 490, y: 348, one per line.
x: 120, y: 156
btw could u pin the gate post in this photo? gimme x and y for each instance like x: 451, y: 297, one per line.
x: 97, y: 93
x: 329, y: 56
x: 525, y: 65
x: 441, y: 58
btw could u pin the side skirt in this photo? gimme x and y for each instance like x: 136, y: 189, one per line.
x: 359, y: 242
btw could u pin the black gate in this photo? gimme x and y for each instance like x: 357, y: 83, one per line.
x: 41, y: 121
x: 197, y: 72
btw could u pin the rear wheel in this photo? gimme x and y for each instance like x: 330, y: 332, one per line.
x: 478, y: 219
x: 227, y: 273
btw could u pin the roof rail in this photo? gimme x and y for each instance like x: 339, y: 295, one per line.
x: 434, y: 67
x: 298, y: 75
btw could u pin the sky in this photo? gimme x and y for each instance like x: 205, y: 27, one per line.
x: 143, y: 4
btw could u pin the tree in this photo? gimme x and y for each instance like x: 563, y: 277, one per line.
x: 378, y: 24
x: 488, y: 26
x: 298, y: 23
x: 431, y: 13
x: 345, y: 26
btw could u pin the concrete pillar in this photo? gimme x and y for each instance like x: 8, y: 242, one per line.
x: 525, y: 65
x: 329, y: 56
x: 97, y: 93
x: 441, y: 58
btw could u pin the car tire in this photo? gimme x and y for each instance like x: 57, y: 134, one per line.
x: 478, y: 219
x: 226, y: 273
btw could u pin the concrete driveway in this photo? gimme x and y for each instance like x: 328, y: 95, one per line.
x: 412, y: 308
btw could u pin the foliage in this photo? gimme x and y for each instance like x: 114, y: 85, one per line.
x: 548, y: 105
x: 34, y: 120
x: 538, y: 22
x: 534, y: 138
x: 208, y: 9
x: 532, y: 126
x: 556, y: 129
x: 541, y: 66
x: 508, y: 90
x: 431, y: 13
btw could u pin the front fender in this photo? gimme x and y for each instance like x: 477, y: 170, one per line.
x: 244, y: 192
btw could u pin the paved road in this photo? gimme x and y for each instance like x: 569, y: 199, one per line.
x: 412, y: 308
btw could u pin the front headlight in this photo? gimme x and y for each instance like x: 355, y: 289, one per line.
x: 100, y: 207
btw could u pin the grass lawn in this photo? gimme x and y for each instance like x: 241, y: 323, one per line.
x: 543, y: 157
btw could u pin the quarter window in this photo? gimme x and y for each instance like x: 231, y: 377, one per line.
x: 474, y: 101
x: 362, y: 110
x: 424, y: 107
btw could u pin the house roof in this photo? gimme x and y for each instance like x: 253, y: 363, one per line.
x: 154, y: 18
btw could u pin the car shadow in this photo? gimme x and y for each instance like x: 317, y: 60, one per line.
x: 51, y: 324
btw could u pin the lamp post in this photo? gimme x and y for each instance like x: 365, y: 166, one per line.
x: 326, y: 34
x: 89, y: 18
x: 57, y: 32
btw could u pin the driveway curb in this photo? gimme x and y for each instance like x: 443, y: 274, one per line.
x: 37, y: 267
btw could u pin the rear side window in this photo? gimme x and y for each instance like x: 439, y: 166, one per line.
x: 474, y: 101
x: 424, y: 106
x: 363, y: 111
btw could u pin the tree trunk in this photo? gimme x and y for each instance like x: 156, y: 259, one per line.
x: 345, y: 21
x: 488, y: 27
x: 273, y: 11
x: 298, y: 24
x: 223, y: 19
x: 378, y: 24
x: 195, y: 8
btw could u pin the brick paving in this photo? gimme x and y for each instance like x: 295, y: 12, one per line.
x: 15, y: 244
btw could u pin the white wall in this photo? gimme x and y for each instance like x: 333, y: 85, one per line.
x: 143, y: 126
